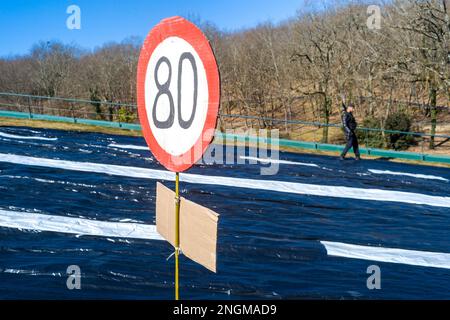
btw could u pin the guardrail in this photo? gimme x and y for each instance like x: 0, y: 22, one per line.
x: 335, y: 148
x: 117, y: 105
x: 80, y: 111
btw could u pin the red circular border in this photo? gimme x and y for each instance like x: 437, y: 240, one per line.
x: 179, y: 27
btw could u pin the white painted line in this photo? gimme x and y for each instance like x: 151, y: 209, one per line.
x: 414, y: 175
x: 391, y: 255
x: 268, y: 160
x: 128, y: 146
x: 79, y: 226
x: 268, y: 185
x: 13, y: 136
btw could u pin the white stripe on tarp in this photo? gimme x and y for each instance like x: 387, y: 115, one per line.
x: 13, y: 136
x: 268, y: 160
x: 391, y: 255
x: 79, y: 226
x: 268, y: 185
x: 128, y: 146
x: 414, y: 175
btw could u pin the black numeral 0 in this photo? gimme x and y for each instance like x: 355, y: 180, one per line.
x: 163, y: 89
x: 190, y: 57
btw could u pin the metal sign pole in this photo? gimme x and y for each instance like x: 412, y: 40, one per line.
x: 177, y: 233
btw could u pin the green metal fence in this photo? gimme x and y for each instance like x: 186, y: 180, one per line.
x: 124, y: 116
x: 335, y: 148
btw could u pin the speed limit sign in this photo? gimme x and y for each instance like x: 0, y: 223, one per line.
x: 178, y: 93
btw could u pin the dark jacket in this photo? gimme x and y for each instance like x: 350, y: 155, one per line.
x: 349, y: 122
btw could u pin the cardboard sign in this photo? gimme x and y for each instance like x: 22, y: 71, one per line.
x: 178, y: 93
x: 198, y: 227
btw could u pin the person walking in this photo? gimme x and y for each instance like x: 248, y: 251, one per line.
x: 349, y: 122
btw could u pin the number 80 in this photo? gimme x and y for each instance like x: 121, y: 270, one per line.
x: 163, y: 89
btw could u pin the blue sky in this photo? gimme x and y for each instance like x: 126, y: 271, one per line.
x: 25, y: 22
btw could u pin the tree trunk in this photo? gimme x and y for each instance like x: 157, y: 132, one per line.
x: 371, y: 96
x: 111, y: 113
x: 326, y: 118
x: 433, y: 114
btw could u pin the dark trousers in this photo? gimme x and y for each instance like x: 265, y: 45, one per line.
x: 352, y: 141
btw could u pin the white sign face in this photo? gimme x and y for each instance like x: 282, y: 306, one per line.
x: 176, y: 95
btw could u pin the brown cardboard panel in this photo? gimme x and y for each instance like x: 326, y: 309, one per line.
x: 165, y: 213
x: 198, y: 227
x: 198, y: 233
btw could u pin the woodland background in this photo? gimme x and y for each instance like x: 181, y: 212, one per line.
x: 398, y: 75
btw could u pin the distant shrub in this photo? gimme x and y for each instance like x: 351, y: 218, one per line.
x: 372, y: 139
x: 399, y: 121
x: 126, y: 115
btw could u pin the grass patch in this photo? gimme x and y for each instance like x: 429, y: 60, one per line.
x: 45, y: 124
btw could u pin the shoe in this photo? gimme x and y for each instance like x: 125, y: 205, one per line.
x: 358, y: 158
x: 341, y: 158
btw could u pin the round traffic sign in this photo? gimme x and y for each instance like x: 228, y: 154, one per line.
x: 178, y: 93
